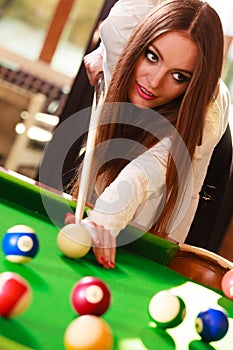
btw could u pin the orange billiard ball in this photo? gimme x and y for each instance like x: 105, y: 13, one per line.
x: 88, y: 332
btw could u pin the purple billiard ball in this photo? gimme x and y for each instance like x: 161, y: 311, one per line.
x: 90, y: 295
x: 20, y: 244
x: 211, y: 324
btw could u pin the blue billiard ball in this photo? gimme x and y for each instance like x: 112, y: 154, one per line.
x: 20, y: 244
x: 211, y: 324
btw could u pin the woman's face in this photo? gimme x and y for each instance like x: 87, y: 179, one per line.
x: 164, y: 71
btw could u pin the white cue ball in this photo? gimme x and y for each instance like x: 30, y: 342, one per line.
x: 166, y: 309
x: 74, y: 241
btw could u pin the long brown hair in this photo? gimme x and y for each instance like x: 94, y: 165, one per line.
x: 187, y: 113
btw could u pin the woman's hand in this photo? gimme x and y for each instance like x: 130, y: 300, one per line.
x: 104, y: 244
x: 93, y: 64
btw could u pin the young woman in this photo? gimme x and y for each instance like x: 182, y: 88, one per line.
x: 166, y: 98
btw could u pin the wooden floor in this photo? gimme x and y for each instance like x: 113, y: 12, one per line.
x: 226, y: 249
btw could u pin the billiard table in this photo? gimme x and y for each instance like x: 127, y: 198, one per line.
x: 141, y: 271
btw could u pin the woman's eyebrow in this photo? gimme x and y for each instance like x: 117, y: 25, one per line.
x: 161, y: 56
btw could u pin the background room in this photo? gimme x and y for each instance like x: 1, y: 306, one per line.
x: 42, y: 81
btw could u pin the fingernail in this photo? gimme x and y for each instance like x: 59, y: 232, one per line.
x: 68, y: 215
x: 109, y: 264
x: 112, y: 264
x: 103, y: 260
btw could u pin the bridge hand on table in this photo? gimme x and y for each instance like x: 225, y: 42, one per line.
x: 104, y: 244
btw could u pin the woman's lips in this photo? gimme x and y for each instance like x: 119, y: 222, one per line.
x: 144, y: 93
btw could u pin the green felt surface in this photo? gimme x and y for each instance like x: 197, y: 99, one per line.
x: 53, y: 207
x: 52, y: 276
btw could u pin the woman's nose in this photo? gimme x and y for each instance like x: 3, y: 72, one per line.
x: 156, y: 78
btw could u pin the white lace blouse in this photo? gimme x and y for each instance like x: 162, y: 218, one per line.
x: 135, y: 196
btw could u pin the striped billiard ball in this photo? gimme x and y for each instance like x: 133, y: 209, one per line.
x: 15, y: 294
x: 20, y: 244
x: 90, y: 295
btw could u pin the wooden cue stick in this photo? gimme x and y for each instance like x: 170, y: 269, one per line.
x: 98, y: 99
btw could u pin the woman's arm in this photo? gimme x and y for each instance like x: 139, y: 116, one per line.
x: 135, y: 194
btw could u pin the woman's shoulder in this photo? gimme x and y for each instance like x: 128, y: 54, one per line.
x: 125, y: 15
x: 223, y: 98
x: 218, y: 113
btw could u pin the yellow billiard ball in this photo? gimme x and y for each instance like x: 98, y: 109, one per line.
x: 74, y: 241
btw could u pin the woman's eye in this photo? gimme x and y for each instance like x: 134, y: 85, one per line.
x: 151, y: 56
x: 180, y: 78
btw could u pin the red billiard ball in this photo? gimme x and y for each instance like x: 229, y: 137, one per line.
x: 90, y: 296
x: 88, y: 332
x: 227, y: 284
x: 15, y: 294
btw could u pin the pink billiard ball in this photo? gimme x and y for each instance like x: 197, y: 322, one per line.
x: 227, y: 284
x: 90, y: 296
x: 15, y: 294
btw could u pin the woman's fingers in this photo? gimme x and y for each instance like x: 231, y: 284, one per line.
x: 104, y: 244
x: 93, y: 64
x: 95, y: 233
x: 69, y: 219
x: 109, y: 249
